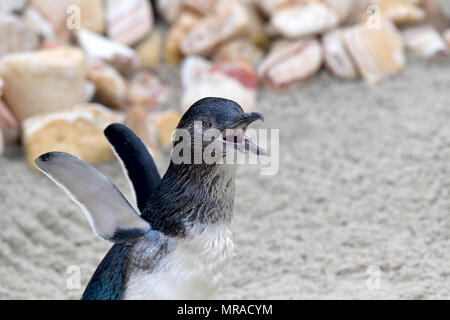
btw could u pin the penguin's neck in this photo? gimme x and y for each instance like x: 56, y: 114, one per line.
x: 193, y: 196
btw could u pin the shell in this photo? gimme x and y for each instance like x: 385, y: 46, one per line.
x: 168, y: 9
x: 96, y: 46
x: 401, y: 11
x: 239, y: 50
x: 229, y: 20
x: 43, y: 81
x: 78, y: 131
x: 291, y: 63
x: 377, y: 53
x: 15, y: 35
x: 337, y: 58
x: 303, y: 20
x: 424, y: 40
x: 228, y: 79
x: 128, y: 21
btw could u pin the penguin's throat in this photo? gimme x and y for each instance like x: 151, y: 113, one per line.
x: 193, y: 196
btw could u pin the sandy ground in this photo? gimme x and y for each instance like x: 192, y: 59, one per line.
x: 364, y: 180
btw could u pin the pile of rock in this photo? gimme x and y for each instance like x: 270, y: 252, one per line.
x: 68, y: 68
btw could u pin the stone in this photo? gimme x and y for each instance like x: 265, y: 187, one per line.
x: 128, y: 21
x: 43, y: 81
x: 149, y: 51
x: 78, y: 131
x: 16, y: 35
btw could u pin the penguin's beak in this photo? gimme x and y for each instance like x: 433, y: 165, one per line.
x: 236, y: 133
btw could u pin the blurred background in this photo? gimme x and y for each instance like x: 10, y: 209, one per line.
x: 360, y: 206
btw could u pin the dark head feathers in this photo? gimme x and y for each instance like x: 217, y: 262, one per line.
x: 218, y: 110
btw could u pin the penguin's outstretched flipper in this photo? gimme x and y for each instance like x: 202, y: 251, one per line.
x: 136, y: 161
x: 108, y: 212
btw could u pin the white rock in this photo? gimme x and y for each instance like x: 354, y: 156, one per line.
x: 128, y: 21
x: 15, y: 35
x: 43, y: 81
x: 96, y: 46
x: 337, y: 58
x: 303, y: 20
x: 424, y: 40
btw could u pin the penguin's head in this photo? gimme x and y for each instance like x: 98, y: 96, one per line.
x: 217, y: 124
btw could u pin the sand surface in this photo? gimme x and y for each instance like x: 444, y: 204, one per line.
x: 364, y: 180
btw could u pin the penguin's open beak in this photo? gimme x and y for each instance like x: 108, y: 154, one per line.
x: 236, y: 133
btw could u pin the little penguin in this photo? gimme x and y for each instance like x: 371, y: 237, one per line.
x: 179, y: 243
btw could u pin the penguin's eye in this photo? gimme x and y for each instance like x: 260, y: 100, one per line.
x: 206, y: 124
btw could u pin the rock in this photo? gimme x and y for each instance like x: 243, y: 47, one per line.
x: 304, y: 19
x: 342, y: 7
x: 78, y: 131
x: 424, y: 40
x: 53, y: 14
x: 337, y: 58
x: 268, y: 7
x: 165, y: 123
x: 149, y: 51
x: 169, y: 9
x: 401, y: 11
x: 447, y: 37
x: 43, y: 81
x: 111, y: 88
x: 146, y: 90
x: 15, y: 35
x: 138, y: 120
x: 377, y: 53
x: 229, y: 79
x: 92, y: 15
x: 229, y: 20
x: 256, y: 29
x: 291, y: 63
x: 89, y: 90
x: 9, y: 6
x: 182, y: 25
x: 435, y: 14
x: 9, y: 127
x: 202, y: 7
x: 41, y: 26
x: 128, y: 21
x: 239, y: 50
x: 96, y: 46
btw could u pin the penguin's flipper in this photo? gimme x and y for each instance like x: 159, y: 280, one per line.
x: 136, y: 161
x: 108, y: 212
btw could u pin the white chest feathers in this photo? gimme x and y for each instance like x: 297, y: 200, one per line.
x: 193, y: 269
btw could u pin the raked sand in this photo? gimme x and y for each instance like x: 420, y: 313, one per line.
x: 364, y: 180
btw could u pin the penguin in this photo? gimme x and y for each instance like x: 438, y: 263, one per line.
x: 179, y: 243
